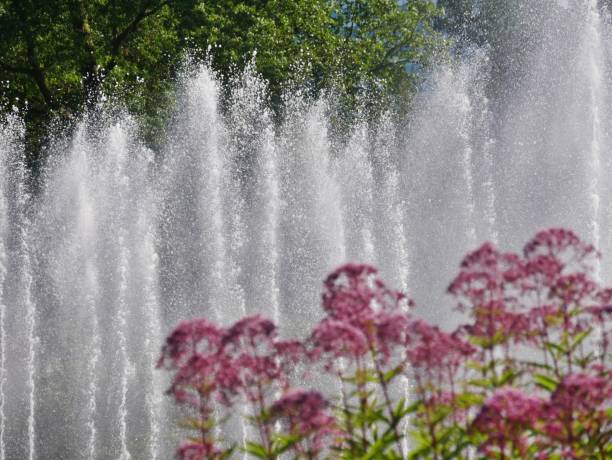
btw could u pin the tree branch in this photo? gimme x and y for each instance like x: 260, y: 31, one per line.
x: 15, y: 69
x: 82, y: 26
x: 37, y: 72
x: 122, y: 36
x: 89, y: 66
x: 406, y: 42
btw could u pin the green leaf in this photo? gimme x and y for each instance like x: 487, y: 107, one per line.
x: 256, y: 449
x: 508, y: 376
x: 545, y: 382
x: 379, y: 446
x: 390, y: 375
x: 227, y: 453
x: 401, y: 410
x: 421, y: 452
x: 467, y: 400
x: 547, y: 367
x: 554, y: 347
x: 415, y: 406
x: 482, y: 383
x: 580, y: 338
x: 282, y: 443
x: 456, y: 451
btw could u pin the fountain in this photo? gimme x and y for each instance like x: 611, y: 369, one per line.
x: 239, y: 215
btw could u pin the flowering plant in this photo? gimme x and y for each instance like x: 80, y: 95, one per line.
x: 527, y: 376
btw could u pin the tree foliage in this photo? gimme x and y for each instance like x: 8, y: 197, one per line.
x: 346, y: 43
x: 57, y: 56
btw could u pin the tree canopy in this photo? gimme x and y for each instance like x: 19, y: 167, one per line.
x: 57, y: 56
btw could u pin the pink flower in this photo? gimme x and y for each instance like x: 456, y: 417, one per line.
x: 514, y: 406
x: 485, y: 258
x: 212, y: 363
x: 582, y: 392
x: 354, y: 290
x: 348, y: 291
x: 581, y: 399
x: 542, y: 298
x: 390, y: 332
x: 506, y: 417
x: 493, y: 321
x: 544, y: 264
x: 252, y: 328
x: 197, y: 450
x: 604, y: 296
x: 338, y: 339
x: 546, y: 315
x: 252, y: 364
x: 484, y: 276
x: 430, y: 348
x: 199, y: 370
x: 573, y: 289
x: 557, y: 242
x: 600, y: 313
x: 305, y: 411
x: 203, y: 372
x: 198, y: 335
x: 291, y: 351
x: 363, y: 315
x: 257, y: 373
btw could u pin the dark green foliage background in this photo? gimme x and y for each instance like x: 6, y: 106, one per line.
x: 58, y: 56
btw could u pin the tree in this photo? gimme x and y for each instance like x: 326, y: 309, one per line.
x: 351, y: 45
x: 58, y: 56
x: 383, y: 42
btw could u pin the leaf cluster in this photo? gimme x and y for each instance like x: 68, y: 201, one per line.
x: 58, y: 56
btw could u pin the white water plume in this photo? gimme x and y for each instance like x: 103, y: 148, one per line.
x: 593, y: 51
x: 7, y: 135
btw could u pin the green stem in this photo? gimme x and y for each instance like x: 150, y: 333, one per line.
x: 388, y: 403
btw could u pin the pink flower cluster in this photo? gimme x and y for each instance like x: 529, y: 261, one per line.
x: 304, y: 410
x: 363, y: 317
x: 434, y: 352
x: 531, y: 299
x: 575, y: 412
x: 505, y: 417
x: 580, y: 400
x: 545, y: 301
x: 528, y: 376
x: 245, y: 362
x: 197, y: 450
